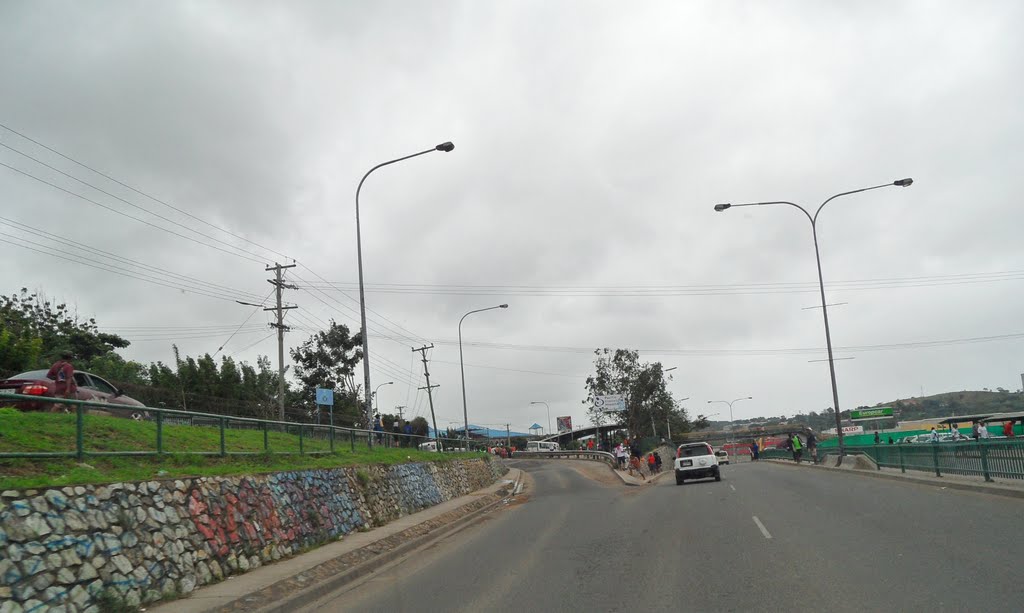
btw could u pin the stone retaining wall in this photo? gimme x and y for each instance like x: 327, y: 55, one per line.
x: 60, y: 549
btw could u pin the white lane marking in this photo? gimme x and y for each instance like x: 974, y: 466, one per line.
x: 733, y: 487
x: 764, y: 530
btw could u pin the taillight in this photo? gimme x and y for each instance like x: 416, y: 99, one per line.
x: 34, y: 390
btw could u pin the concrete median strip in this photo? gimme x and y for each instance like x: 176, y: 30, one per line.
x: 293, y: 583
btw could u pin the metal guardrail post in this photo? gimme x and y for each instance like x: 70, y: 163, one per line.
x: 301, y: 451
x: 223, y: 447
x: 332, y: 439
x: 903, y: 467
x: 79, y: 432
x: 983, y: 450
x: 935, y: 458
x: 159, y: 433
x: 266, y: 439
x: 352, y: 438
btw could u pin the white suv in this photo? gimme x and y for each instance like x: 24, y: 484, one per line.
x: 696, y: 461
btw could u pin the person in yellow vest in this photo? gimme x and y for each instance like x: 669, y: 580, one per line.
x: 798, y: 448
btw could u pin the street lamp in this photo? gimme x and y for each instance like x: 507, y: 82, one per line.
x: 375, y: 393
x: 462, y: 368
x: 729, y: 402
x: 549, y: 414
x: 821, y: 284
x: 446, y: 147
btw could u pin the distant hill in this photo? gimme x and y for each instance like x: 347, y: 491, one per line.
x: 908, y: 409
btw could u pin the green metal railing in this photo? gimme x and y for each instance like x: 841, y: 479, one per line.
x: 1000, y: 458
x: 310, y: 437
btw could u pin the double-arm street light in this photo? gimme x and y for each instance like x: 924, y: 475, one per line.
x: 730, y: 403
x: 446, y: 147
x: 549, y: 413
x: 821, y: 283
x: 462, y: 369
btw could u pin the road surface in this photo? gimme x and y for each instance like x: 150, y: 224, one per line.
x: 767, y: 537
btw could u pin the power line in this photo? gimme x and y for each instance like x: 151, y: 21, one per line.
x: 117, y: 258
x: 136, y: 190
x: 123, y: 214
x: 106, y: 267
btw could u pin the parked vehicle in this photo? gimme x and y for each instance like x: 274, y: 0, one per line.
x: 696, y: 461
x: 723, y: 456
x: 90, y: 387
x: 541, y: 446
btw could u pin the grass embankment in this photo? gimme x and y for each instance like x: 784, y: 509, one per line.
x: 53, y: 432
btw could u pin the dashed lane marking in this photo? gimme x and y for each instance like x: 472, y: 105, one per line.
x: 761, y: 527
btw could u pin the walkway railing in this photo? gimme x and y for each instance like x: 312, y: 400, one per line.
x: 311, y: 438
x: 1002, y: 458
x: 600, y: 456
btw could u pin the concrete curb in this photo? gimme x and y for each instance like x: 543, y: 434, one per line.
x: 306, y: 595
x: 953, y: 485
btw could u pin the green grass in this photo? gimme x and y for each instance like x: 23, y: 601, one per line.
x: 52, y: 432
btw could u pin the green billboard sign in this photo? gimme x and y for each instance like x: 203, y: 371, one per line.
x: 865, y: 414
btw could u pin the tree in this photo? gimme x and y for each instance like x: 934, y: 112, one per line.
x: 643, y: 385
x: 328, y: 360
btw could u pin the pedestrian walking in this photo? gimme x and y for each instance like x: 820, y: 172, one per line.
x: 635, y: 464
x: 797, y: 448
x: 62, y: 372
x: 620, y: 456
x: 755, y: 451
x: 657, y: 461
x: 1008, y: 429
x: 983, y: 432
x: 890, y: 440
x: 812, y: 445
x: 935, y: 435
x: 651, y: 463
x: 878, y: 439
x: 379, y: 429
x: 407, y: 439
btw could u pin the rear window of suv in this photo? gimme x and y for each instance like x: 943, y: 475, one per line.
x: 689, y: 452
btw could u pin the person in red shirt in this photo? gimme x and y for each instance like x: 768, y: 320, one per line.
x: 63, y: 374
x: 590, y: 445
x: 652, y: 463
x: 1008, y: 429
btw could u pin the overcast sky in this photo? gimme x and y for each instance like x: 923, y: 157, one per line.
x: 592, y: 141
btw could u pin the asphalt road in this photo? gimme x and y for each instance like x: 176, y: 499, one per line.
x: 820, y: 542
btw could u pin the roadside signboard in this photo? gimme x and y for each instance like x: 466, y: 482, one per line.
x: 324, y: 397
x: 866, y: 414
x: 847, y: 430
x: 564, y: 424
x: 610, y: 404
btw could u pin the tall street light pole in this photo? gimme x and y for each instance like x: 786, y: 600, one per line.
x: 549, y: 414
x: 446, y: 147
x: 377, y: 409
x: 462, y: 369
x: 821, y: 284
x: 730, y: 402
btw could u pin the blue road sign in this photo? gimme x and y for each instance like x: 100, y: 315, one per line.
x: 324, y: 396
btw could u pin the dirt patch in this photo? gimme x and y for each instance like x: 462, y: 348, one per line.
x: 596, y: 471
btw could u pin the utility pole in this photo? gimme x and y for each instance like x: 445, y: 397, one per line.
x: 399, y: 408
x: 429, y: 387
x: 508, y: 435
x: 279, y: 285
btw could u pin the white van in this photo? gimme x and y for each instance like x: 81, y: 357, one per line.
x: 541, y: 446
x: 428, y: 446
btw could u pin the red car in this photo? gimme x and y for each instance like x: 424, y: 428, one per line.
x: 90, y: 387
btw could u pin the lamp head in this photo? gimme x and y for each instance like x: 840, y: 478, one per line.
x: 502, y: 306
x: 903, y: 182
x: 446, y: 147
x: 722, y: 207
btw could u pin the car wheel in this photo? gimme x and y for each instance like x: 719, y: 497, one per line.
x: 718, y: 476
x: 680, y: 480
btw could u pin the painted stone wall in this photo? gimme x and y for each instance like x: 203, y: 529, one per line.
x: 61, y: 548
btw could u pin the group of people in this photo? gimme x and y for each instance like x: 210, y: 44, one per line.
x: 796, y: 446
x: 401, y: 433
x: 629, y: 457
